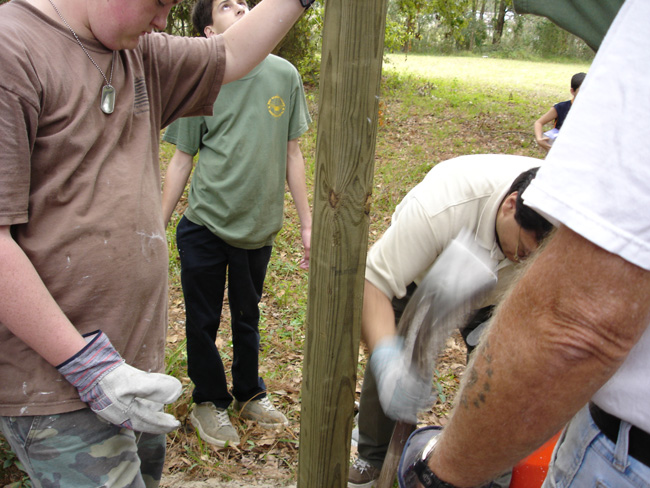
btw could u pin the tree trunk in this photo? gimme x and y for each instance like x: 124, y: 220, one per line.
x: 472, y: 25
x: 500, y: 15
x: 410, y: 33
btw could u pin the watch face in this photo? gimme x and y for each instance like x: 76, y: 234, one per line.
x: 411, y: 461
x: 409, y: 480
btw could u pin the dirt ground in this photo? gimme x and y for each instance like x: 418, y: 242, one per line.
x: 266, y: 460
x: 179, y: 481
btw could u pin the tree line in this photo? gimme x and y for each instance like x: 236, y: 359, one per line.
x: 485, y: 27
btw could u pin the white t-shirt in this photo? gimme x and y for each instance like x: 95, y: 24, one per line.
x: 460, y: 193
x: 596, y: 179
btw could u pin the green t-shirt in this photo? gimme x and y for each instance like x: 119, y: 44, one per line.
x: 237, y: 189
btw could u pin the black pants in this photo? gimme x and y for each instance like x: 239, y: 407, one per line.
x: 206, y: 260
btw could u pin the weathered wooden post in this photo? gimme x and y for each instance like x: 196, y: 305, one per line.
x: 353, y: 42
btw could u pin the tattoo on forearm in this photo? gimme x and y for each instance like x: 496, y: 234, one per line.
x: 473, y: 378
x: 477, y: 384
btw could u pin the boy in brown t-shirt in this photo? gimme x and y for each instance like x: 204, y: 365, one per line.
x: 84, y: 259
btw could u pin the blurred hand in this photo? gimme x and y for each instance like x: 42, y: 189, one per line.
x: 544, y: 143
x: 402, y: 393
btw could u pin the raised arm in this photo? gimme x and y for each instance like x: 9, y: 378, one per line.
x: 298, y: 188
x: 558, y: 337
x: 28, y: 310
x: 251, y: 39
x: 178, y: 172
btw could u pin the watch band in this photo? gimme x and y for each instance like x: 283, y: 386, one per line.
x: 427, y: 477
x: 306, y: 3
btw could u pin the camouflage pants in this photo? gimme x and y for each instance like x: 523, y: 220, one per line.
x: 78, y: 449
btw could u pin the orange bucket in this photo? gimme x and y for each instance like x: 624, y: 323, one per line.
x: 531, y: 471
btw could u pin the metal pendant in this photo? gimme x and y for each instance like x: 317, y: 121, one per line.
x: 108, y: 99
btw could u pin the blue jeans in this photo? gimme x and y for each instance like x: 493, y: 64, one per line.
x: 585, y: 457
x: 206, y: 260
x: 79, y: 449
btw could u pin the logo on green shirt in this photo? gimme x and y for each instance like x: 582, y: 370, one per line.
x: 276, y: 106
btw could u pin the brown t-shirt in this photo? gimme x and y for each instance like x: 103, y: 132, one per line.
x: 81, y: 189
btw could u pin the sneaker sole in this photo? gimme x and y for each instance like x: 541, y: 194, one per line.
x: 369, y: 484
x: 208, y: 438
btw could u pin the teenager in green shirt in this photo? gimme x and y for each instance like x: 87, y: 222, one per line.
x: 247, y: 150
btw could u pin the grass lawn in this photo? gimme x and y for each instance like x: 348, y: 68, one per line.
x: 528, y: 78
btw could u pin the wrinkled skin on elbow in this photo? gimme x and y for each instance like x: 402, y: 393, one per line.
x: 579, y: 331
x: 585, y: 304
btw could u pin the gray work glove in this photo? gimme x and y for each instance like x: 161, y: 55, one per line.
x: 119, y: 393
x: 402, y: 392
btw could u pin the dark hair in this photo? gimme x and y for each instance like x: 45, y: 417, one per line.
x: 525, y: 216
x: 576, y: 80
x: 202, y: 15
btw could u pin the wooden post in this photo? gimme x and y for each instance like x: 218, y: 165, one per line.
x: 353, y: 42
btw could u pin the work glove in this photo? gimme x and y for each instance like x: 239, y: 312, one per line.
x: 119, y: 393
x: 402, y: 391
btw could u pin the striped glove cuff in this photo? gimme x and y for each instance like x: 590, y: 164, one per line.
x: 91, y: 364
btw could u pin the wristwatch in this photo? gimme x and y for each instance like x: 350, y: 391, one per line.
x: 306, y: 3
x: 428, y: 478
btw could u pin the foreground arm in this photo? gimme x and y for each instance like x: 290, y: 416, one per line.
x: 251, y: 39
x: 541, y: 139
x: 178, y: 172
x: 559, y: 336
x: 103, y: 380
x: 298, y: 188
x: 27, y: 308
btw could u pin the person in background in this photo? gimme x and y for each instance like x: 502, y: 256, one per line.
x: 480, y: 193
x: 556, y: 114
x: 247, y: 149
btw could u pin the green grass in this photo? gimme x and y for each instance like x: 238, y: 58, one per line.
x: 528, y: 78
x: 12, y: 474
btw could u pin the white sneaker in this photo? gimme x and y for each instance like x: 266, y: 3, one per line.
x: 261, y: 411
x: 213, y: 424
